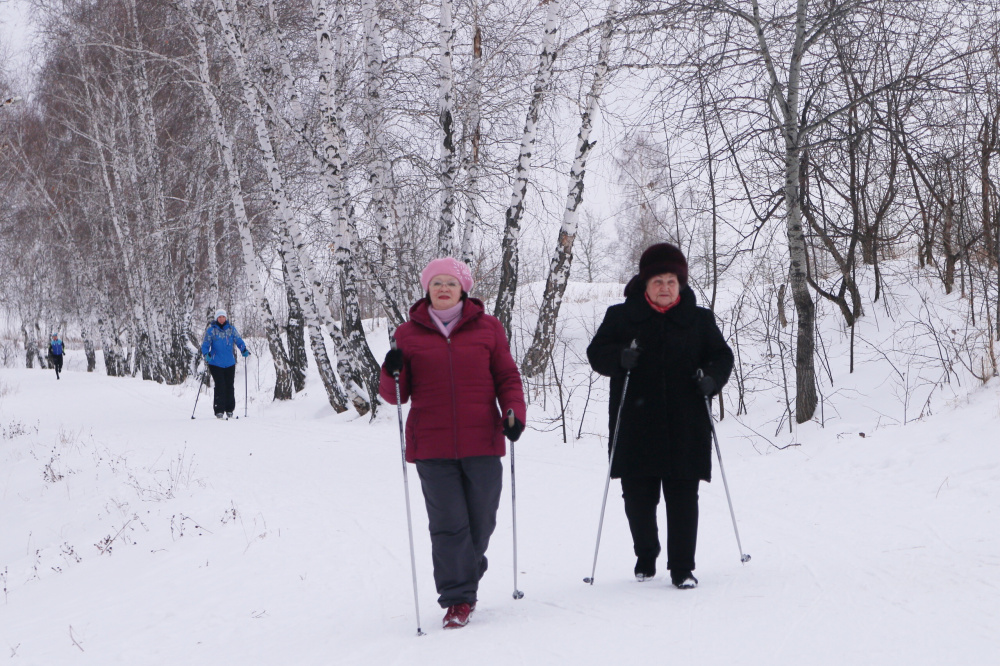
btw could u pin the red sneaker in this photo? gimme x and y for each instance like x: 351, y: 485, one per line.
x: 458, y: 615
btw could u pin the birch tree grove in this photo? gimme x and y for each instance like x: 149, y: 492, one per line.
x: 283, y: 376
x: 299, y: 163
x: 356, y: 366
x: 291, y: 237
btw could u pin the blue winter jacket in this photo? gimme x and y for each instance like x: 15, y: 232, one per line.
x: 56, y: 347
x: 218, y: 344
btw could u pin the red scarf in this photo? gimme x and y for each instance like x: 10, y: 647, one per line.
x: 657, y: 307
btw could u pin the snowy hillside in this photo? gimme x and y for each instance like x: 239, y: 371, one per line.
x: 132, y: 534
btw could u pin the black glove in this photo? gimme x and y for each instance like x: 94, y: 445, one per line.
x: 630, y: 357
x: 706, y: 384
x: 512, y: 432
x: 393, y: 361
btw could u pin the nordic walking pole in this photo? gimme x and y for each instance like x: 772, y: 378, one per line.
x: 406, y: 491
x: 518, y: 594
x: 246, y: 387
x: 201, y: 380
x: 611, y: 459
x: 708, y: 405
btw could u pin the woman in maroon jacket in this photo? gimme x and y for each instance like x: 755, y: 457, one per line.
x: 454, y: 366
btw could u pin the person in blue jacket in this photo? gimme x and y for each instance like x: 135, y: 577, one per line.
x: 217, y: 348
x: 56, y: 352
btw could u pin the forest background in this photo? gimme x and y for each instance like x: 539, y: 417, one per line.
x: 299, y: 162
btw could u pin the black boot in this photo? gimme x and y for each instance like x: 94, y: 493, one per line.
x: 683, y: 580
x: 645, y: 568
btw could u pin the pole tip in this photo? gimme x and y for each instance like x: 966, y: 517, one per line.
x: 588, y: 580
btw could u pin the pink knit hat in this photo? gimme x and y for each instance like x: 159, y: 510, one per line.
x: 447, y: 266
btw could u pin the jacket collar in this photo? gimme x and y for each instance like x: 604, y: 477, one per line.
x: 638, y: 309
x: 419, y: 313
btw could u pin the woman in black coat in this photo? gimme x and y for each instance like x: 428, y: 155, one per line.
x: 664, y: 438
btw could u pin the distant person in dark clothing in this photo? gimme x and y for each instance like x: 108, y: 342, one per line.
x: 665, y: 430
x: 217, y: 348
x: 56, y: 352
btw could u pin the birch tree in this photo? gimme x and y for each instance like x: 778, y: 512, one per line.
x: 537, y: 357
x: 473, y: 129
x: 512, y: 218
x: 381, y: 196
x: 446, y: 104
x: 794, y: 52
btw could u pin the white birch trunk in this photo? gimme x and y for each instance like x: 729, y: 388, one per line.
x: 213, y: 257
x: 472, y: 161
x: 359, y: 368
x: 788, y: 102
x: 537, y: 357
x: 512, y: 228
x: 382, y: 273
x: 144, y: 173
x: 125, y: 246
x: 129, y: 193
x: 446, y: 104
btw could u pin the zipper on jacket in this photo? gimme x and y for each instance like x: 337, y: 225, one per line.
x: 454, y: 402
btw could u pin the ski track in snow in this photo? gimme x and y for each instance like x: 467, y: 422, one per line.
x: 875, y: 550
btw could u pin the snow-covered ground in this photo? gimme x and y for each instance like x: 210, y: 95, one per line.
x: 132, y: 534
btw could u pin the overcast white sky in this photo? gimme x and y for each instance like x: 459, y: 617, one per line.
x: 15, y: 33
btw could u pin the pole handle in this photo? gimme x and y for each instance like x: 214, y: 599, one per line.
x: 392, y: 346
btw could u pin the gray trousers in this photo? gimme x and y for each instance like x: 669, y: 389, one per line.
x: 462, y: 497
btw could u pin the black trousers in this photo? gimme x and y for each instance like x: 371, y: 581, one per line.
x: 223, y: 378
x: 462, y: 497
x: 57, y: 361
x: 642, y: 495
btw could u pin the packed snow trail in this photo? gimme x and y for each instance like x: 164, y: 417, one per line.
x: 132, y: 534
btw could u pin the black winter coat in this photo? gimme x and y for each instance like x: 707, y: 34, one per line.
x: 665, y: 426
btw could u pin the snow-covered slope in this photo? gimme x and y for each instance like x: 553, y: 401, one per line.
x: 132, y: 534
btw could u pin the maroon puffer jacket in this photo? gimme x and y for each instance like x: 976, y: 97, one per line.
x: 454, y: 384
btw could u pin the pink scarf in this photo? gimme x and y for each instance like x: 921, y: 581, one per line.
x: 446, y: 319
